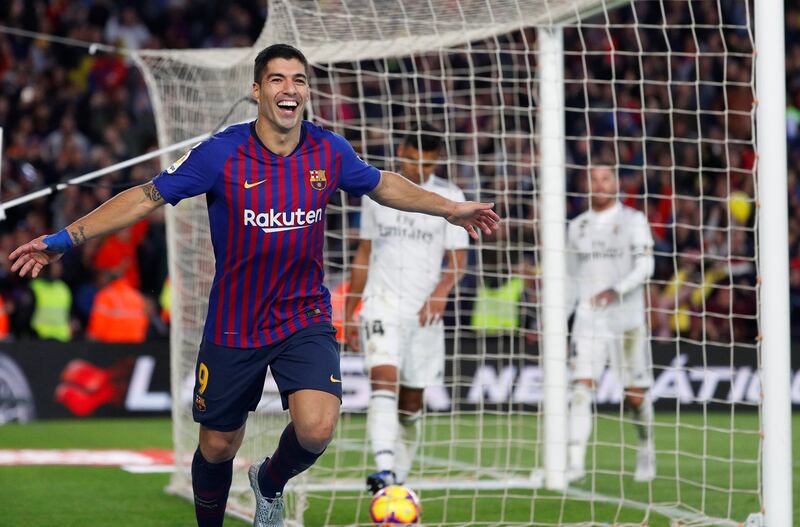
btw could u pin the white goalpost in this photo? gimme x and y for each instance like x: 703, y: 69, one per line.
x: 553, y: 253
x: 773, y: 228
x: 528, y: 94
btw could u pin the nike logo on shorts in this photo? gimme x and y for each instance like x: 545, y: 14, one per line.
x: 334, y: 379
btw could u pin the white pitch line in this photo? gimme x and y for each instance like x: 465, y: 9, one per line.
x: 671, y: 512
x: 357, y: 485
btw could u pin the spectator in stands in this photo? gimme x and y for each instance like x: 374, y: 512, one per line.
x: 671, y: 310
x: 53, y: 303
x: 126, y: 30
x: 118, y: 313
x: 165, y: 302
x: 497, y: 298
x: 117, y: 253
x: 66, y: 135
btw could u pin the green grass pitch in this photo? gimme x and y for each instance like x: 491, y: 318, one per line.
x: 79, y: 496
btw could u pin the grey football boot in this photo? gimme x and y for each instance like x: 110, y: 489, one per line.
x: 269, y: 513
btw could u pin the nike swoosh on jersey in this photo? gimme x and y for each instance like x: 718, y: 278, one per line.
x: 251, y: 185
x: 334, y: 379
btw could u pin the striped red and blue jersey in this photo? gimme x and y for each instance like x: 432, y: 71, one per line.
x: 267, y: 219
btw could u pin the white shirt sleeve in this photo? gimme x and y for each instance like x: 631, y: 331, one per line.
x: 455, y: 237
x: 368, y: 230
x: 642, y: 253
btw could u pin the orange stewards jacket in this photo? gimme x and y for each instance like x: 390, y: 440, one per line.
x: 118, y: 314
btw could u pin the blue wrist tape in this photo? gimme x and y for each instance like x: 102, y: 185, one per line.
x: 59, y: 242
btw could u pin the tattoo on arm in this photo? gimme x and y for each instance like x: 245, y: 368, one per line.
x: 151, y: 192
x: 78, y: 235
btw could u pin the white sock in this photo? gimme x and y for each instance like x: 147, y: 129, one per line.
x: 580, y: 424
x: 643, y: 419
x: 383, y: 427
x: 407, y: 443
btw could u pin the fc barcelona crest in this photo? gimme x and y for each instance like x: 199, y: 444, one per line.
x: 200, y: 403
x: 317, y: 179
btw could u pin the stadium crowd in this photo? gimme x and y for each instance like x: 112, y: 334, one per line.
x: 66, y: 112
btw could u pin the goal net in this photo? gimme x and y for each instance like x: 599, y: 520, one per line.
x: 662, y: 91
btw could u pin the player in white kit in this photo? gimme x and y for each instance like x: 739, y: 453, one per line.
x: 398, y: 266
x: 610, y: 259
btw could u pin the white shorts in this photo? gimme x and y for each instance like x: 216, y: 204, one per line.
x: 628, y: 353
x: 417, y: 351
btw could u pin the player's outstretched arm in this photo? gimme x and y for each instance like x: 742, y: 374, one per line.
x: 124, y: 209
x: 399, y: 193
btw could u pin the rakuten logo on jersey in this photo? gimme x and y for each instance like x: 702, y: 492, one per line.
x: 275, y: 221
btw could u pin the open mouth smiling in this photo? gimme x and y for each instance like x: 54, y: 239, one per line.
x: 287, y: 107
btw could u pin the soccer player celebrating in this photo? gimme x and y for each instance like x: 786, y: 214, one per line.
x: 400, y: 258
x: 610, y: 256
x: 266, y: 184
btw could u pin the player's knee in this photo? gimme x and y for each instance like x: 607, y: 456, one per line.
x: 582, y: 391
x: 316, y: 435
x: 383, y: 377
x: 581, y: 396
x: 217, y: 448
x: 634, y: 399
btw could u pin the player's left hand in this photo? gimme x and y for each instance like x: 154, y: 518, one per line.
x: 604, y: 298
x: 432, y: 310
x: 474, y: 216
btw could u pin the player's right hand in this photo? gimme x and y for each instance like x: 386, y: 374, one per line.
x: 351, y: 336
x: 475, y: 217
x: 604, y: 299
x: 32, y: 257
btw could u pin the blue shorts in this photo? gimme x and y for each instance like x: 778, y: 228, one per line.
x: 229, y: 381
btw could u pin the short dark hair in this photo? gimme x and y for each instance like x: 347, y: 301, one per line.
x: 276, y: 51
x: 424, y: 136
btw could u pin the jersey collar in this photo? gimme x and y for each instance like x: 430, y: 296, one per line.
x: 608, y: 212
x: 296, y: 149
